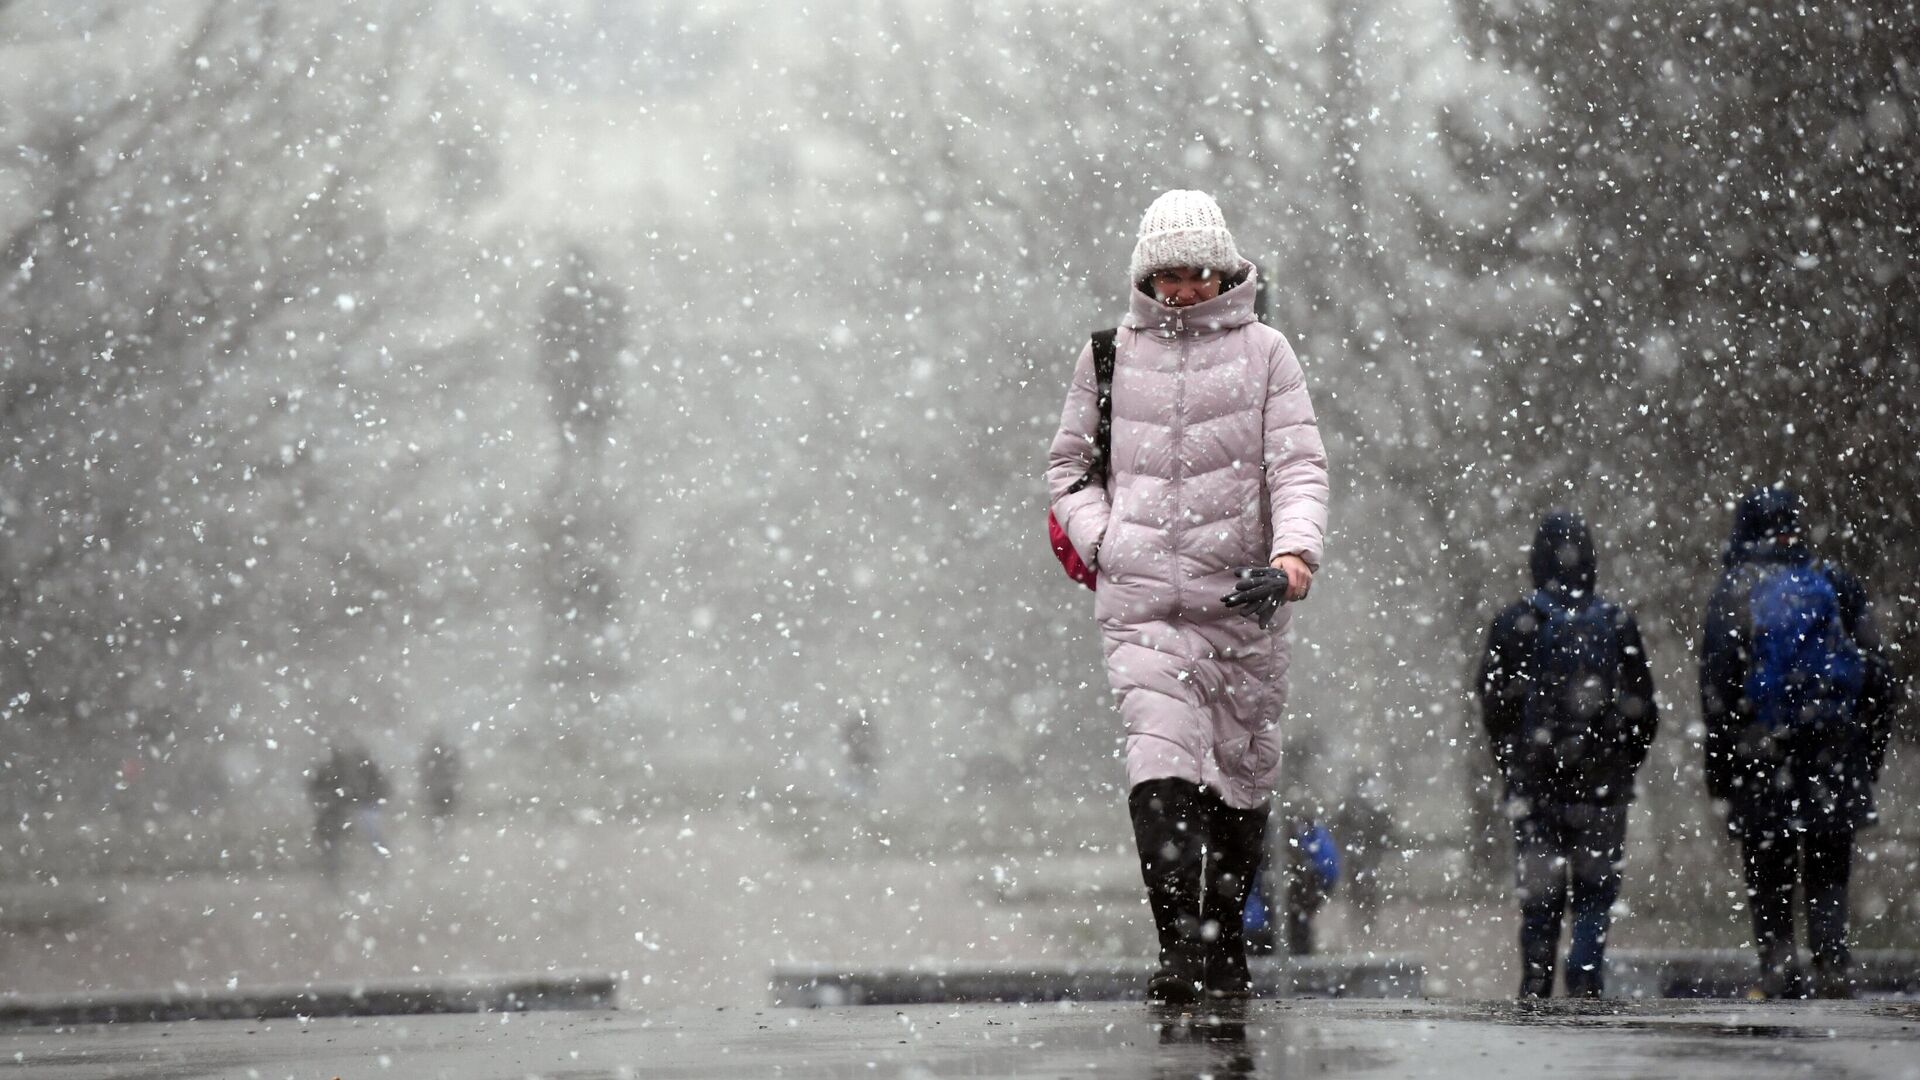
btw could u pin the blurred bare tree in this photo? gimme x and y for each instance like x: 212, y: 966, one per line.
x: 583, y: 328
x: 222, y: 309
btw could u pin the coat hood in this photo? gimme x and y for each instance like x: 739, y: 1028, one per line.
x: 1765, y: 516
x: 1563, y: 561
x: 1233, y: 307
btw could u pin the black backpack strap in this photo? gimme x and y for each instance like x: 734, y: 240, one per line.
x: 1104, y: 351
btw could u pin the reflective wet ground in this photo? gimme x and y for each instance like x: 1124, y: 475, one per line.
x: 1295, y: 1039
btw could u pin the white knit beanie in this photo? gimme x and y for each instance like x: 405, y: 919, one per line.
x: 1184, y: 228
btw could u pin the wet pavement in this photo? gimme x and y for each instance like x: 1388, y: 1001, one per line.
x: 1293, y: 1039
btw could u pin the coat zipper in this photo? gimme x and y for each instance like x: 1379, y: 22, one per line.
x: 1179, y: 459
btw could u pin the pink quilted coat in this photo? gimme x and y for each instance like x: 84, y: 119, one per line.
x: 1217, y: 463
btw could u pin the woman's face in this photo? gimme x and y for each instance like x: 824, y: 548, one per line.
x: 1184, y: 286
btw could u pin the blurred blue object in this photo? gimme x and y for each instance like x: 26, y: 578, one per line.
x: 1256, y: 913
x: 1322, y: 854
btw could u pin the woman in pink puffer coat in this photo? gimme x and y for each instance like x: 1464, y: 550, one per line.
x: 1217, y: 473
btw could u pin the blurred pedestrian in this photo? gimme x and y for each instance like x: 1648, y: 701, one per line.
x: 1313, y: 870
x: 1566, y: 695
x: 1798, y: 701
x: 441, y: 779
x: 1364, y: 823
x: 1296, y: 877
x: 1189, y: 481
x: 349, y: 792
x: 1301, y: 863
x: 861, y: 733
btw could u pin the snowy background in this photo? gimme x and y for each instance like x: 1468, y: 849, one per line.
x: 636, y: 393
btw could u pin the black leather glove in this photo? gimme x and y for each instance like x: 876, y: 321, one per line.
x: 1259, y: 593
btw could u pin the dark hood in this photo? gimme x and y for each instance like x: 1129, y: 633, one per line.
x: 1563, y: 562
x: 1765, y: 516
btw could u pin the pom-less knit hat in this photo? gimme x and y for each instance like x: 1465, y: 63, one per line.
x: 1184, y: 228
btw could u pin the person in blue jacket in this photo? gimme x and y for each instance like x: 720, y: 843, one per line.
x: 1798, y: 701
x: 1566, y: 695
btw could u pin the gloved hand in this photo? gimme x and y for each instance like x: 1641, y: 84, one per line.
x: 1259, y: 593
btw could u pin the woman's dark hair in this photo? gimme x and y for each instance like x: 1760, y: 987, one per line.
x: 1227, y: 281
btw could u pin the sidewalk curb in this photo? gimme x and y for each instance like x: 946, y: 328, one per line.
x: 1343, y: 976
x: 374, y: 998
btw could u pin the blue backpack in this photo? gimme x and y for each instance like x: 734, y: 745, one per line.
x: 1322, y: 854
x: 1806, y: 671
x: 1320, y: 860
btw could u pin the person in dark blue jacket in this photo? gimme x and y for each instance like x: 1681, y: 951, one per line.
x: 1566, y: 695
x: 1794, y: 789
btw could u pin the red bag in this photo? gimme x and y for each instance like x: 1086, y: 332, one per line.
x: 1069, y: 558
x: 1070, y: 561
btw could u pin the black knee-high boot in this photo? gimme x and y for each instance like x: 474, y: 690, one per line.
x: 1169, y: 827
x: 1238, y: 841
